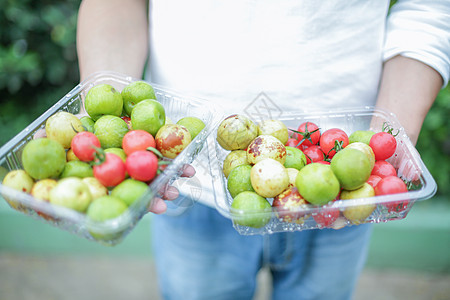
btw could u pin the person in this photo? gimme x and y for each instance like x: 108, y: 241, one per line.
x: 302, y: 55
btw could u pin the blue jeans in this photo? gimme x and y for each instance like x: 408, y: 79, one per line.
x: 199, y: 255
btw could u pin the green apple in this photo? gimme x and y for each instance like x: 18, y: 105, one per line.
x: 103, y: 99
x: 134, y: 93
x: 148, y: 115
x: 88, y: 123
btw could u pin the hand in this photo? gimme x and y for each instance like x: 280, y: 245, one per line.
x: 170, y: 193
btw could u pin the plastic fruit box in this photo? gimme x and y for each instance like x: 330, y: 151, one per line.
x: 406, y: 161
x: 112, y: 231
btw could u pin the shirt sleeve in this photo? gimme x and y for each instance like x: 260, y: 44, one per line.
x: 420, y: 29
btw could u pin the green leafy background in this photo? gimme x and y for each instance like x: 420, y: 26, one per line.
x: 38, y: 65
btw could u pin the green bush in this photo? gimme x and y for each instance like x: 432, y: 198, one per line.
x: 38, y: 62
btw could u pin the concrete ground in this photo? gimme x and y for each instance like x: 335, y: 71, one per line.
x: 62, y: 277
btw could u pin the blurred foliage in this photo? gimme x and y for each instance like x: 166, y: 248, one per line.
x: 38, y: 61
x: 38, y: 65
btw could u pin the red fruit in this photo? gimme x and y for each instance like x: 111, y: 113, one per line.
x: 392, y: 185
x: 111, y: 171
x: 373, y: 180
x: 308, y: 134
x: 333, y: 140
x: 326, y: 217
x: 137, y: 140
x: 84, y: 145
x: 291, y: 142
x: 288, y: 206
x: 142, y: 165
x: 383, y: 169
x: 383, y: 145
x: 314, y: 154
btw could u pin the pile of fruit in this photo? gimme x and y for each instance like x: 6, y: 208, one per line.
x: 101, y: 162
x: 272, y: 168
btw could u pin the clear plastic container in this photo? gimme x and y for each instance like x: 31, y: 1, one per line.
x: 406, y: 160
x: 112, y: 231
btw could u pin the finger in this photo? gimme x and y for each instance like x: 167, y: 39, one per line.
x: 188, y: 171
x: 171, y: 193
x: 159, y: 207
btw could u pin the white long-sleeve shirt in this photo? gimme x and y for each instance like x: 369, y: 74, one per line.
x: 300, y: 54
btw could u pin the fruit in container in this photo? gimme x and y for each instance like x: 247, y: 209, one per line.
x: 62, y: 127
x: 288, y: 206
x: 317, y: 183
x: 351, y: 167
x: 148, y: 115
x: 269, y: 178
x: 295, y: 158
x: 233, y: 159
x: 236, y: 132
x: 134, y: 93
x: 358, y: 213
x: 266, y: 146
x: 239, y: 180
x: 193, y: 124
x: 101, y: 100
x: 251, y: 209
x: 171, y: 139
x: 110, y: 131
x: 71, y: 192
x: 275, y: 128
x: 43, y: 158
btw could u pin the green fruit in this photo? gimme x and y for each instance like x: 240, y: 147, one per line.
x: 295, y: 158
x: 43, y: 158
x: 148, y: 115
x: 71, y: 192
x: 362, y: 136
x: 129, y: 190
x: 236, y: 132
x: 269, y: 178
x: 134, y: 93
x: 41, y: 189
x: 88, y: 123
x: 239, y: 180
x: 62, y: 127
x: 352, y: 168
x: 317, y: 183
x: 117, y: 151
x: 250, y: 209
x: 359, y: 213
x: 106, y: 208
x: 103, y: 99
x: 95, y: 187
x: 274, y: 128
x: 103, y: 209
x: 76, y: 168
x: 18, y: 180
x: 233, y: 159
x: 193, y: 124
x: 110, y: 130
